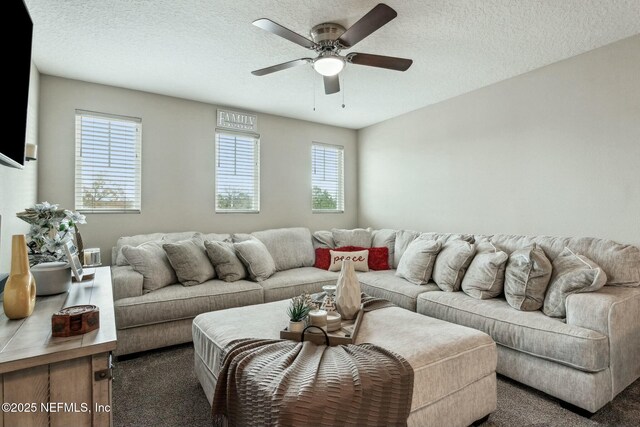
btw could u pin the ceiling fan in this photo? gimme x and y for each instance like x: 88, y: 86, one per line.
x: 328, y: 39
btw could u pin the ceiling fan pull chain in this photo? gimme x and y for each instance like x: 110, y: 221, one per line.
x: 343, y: 89
x: 314, y: 92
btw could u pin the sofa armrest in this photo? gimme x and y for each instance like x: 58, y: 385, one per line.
x: 614, y: 312
x: 126, y: 282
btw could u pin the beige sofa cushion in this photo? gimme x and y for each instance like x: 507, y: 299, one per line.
x: 225, y: 261
x: 451, y: 264
x: 527, y: 331
x: 417, y: 261
x: 289, y: 247
x: 176, y: 302
x: 256, y: 258
x: 290, y: 283
x: 527, y: 278
x: 360, y: 237
x: 150, y: 260
x: 484, y: 278
x: 323, y: 239
x: 190, y: 262
x: 385, y: 284
x: 136, y: 240
x: 572, y: 273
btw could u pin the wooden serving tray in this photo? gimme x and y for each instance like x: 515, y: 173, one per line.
x: 345, y: 335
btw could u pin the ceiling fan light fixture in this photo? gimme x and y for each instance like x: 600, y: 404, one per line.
x: 329, y: 65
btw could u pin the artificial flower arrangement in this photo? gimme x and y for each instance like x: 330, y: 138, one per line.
x: 51, y: 228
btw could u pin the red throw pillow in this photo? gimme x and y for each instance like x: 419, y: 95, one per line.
x: 378, y: 257
x: 323, y: 258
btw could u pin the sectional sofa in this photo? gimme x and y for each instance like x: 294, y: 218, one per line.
x: 585, y: 359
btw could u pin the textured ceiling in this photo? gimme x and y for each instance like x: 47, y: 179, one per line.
x: 205, y: 50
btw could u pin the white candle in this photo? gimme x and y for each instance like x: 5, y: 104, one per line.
x: 318, y: 318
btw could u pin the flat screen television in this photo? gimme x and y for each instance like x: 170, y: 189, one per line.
x: 17, y: 72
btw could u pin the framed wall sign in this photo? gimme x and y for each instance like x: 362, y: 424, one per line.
x: 236, y: 120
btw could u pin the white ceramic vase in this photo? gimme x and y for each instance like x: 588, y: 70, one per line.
x: 348, y: 291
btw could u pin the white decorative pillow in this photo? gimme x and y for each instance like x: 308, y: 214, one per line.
x: 190, y: 262
x: 484, y: 278
x: 223, y: 257
x: 360, y: 260
x: 256, y: 258
x: 150, y: 260
x: 527, y: 278
x: 403, y: 240
x: 417, y: 261
x: 451, y: 264
x: 572, y: 273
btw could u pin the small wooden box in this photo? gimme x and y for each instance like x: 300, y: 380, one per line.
x: 75, y: 320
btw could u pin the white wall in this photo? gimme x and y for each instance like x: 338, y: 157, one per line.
x: 555, y: 151
x: 178, y: 165
x: 18, y: 186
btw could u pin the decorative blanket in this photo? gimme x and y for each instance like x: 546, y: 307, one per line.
x: 285, y: 383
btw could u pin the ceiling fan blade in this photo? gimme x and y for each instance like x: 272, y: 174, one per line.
x: 331, y: 84
x: 380, y: 61
x: 279, y: 30
x: 372, y: 21
x: 280, y: 67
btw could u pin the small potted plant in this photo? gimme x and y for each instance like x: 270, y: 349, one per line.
x: 298, y: 311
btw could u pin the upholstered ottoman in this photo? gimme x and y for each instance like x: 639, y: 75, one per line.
x: 454, y: 366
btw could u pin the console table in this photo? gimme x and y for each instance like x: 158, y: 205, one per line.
x: 47, y: 381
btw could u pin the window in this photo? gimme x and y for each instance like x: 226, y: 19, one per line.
x: 327, y: 178
x: 108, y: 151
x: 237, y: 172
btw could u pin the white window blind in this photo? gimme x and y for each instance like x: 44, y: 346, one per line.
x: 108, y: 163
x: 327, y: 178
x: 237, y: 172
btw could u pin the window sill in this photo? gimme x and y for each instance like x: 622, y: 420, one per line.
x: 326, y: 211
x: 110, y: 211
x: 232, y: 211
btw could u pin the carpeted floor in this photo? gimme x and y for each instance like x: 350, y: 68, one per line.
x: 159, y: 389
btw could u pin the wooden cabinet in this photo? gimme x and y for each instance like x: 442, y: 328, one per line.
x: 47, y: 381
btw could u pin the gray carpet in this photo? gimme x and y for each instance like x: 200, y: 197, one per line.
x: 159, y: 388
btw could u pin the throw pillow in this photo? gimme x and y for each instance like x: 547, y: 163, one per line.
x: 403, y: 239
x: 417, y: 261
x: 378, y: 257
x: 451, y: 264
x: 189, y: 260
x: 323, y: 258
x: 256, y: 258
x: 150, y: 260
x: 223, y: 257
x: 323, y: 239
x: 384, y: 238
x: 360, y: 260
x: 572, y: 273
x: 360, y: 237
x: 484, y: 278
x: 289, y: 247
x: 526, y: 278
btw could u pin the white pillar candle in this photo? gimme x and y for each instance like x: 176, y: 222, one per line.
x: 318, y: 318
